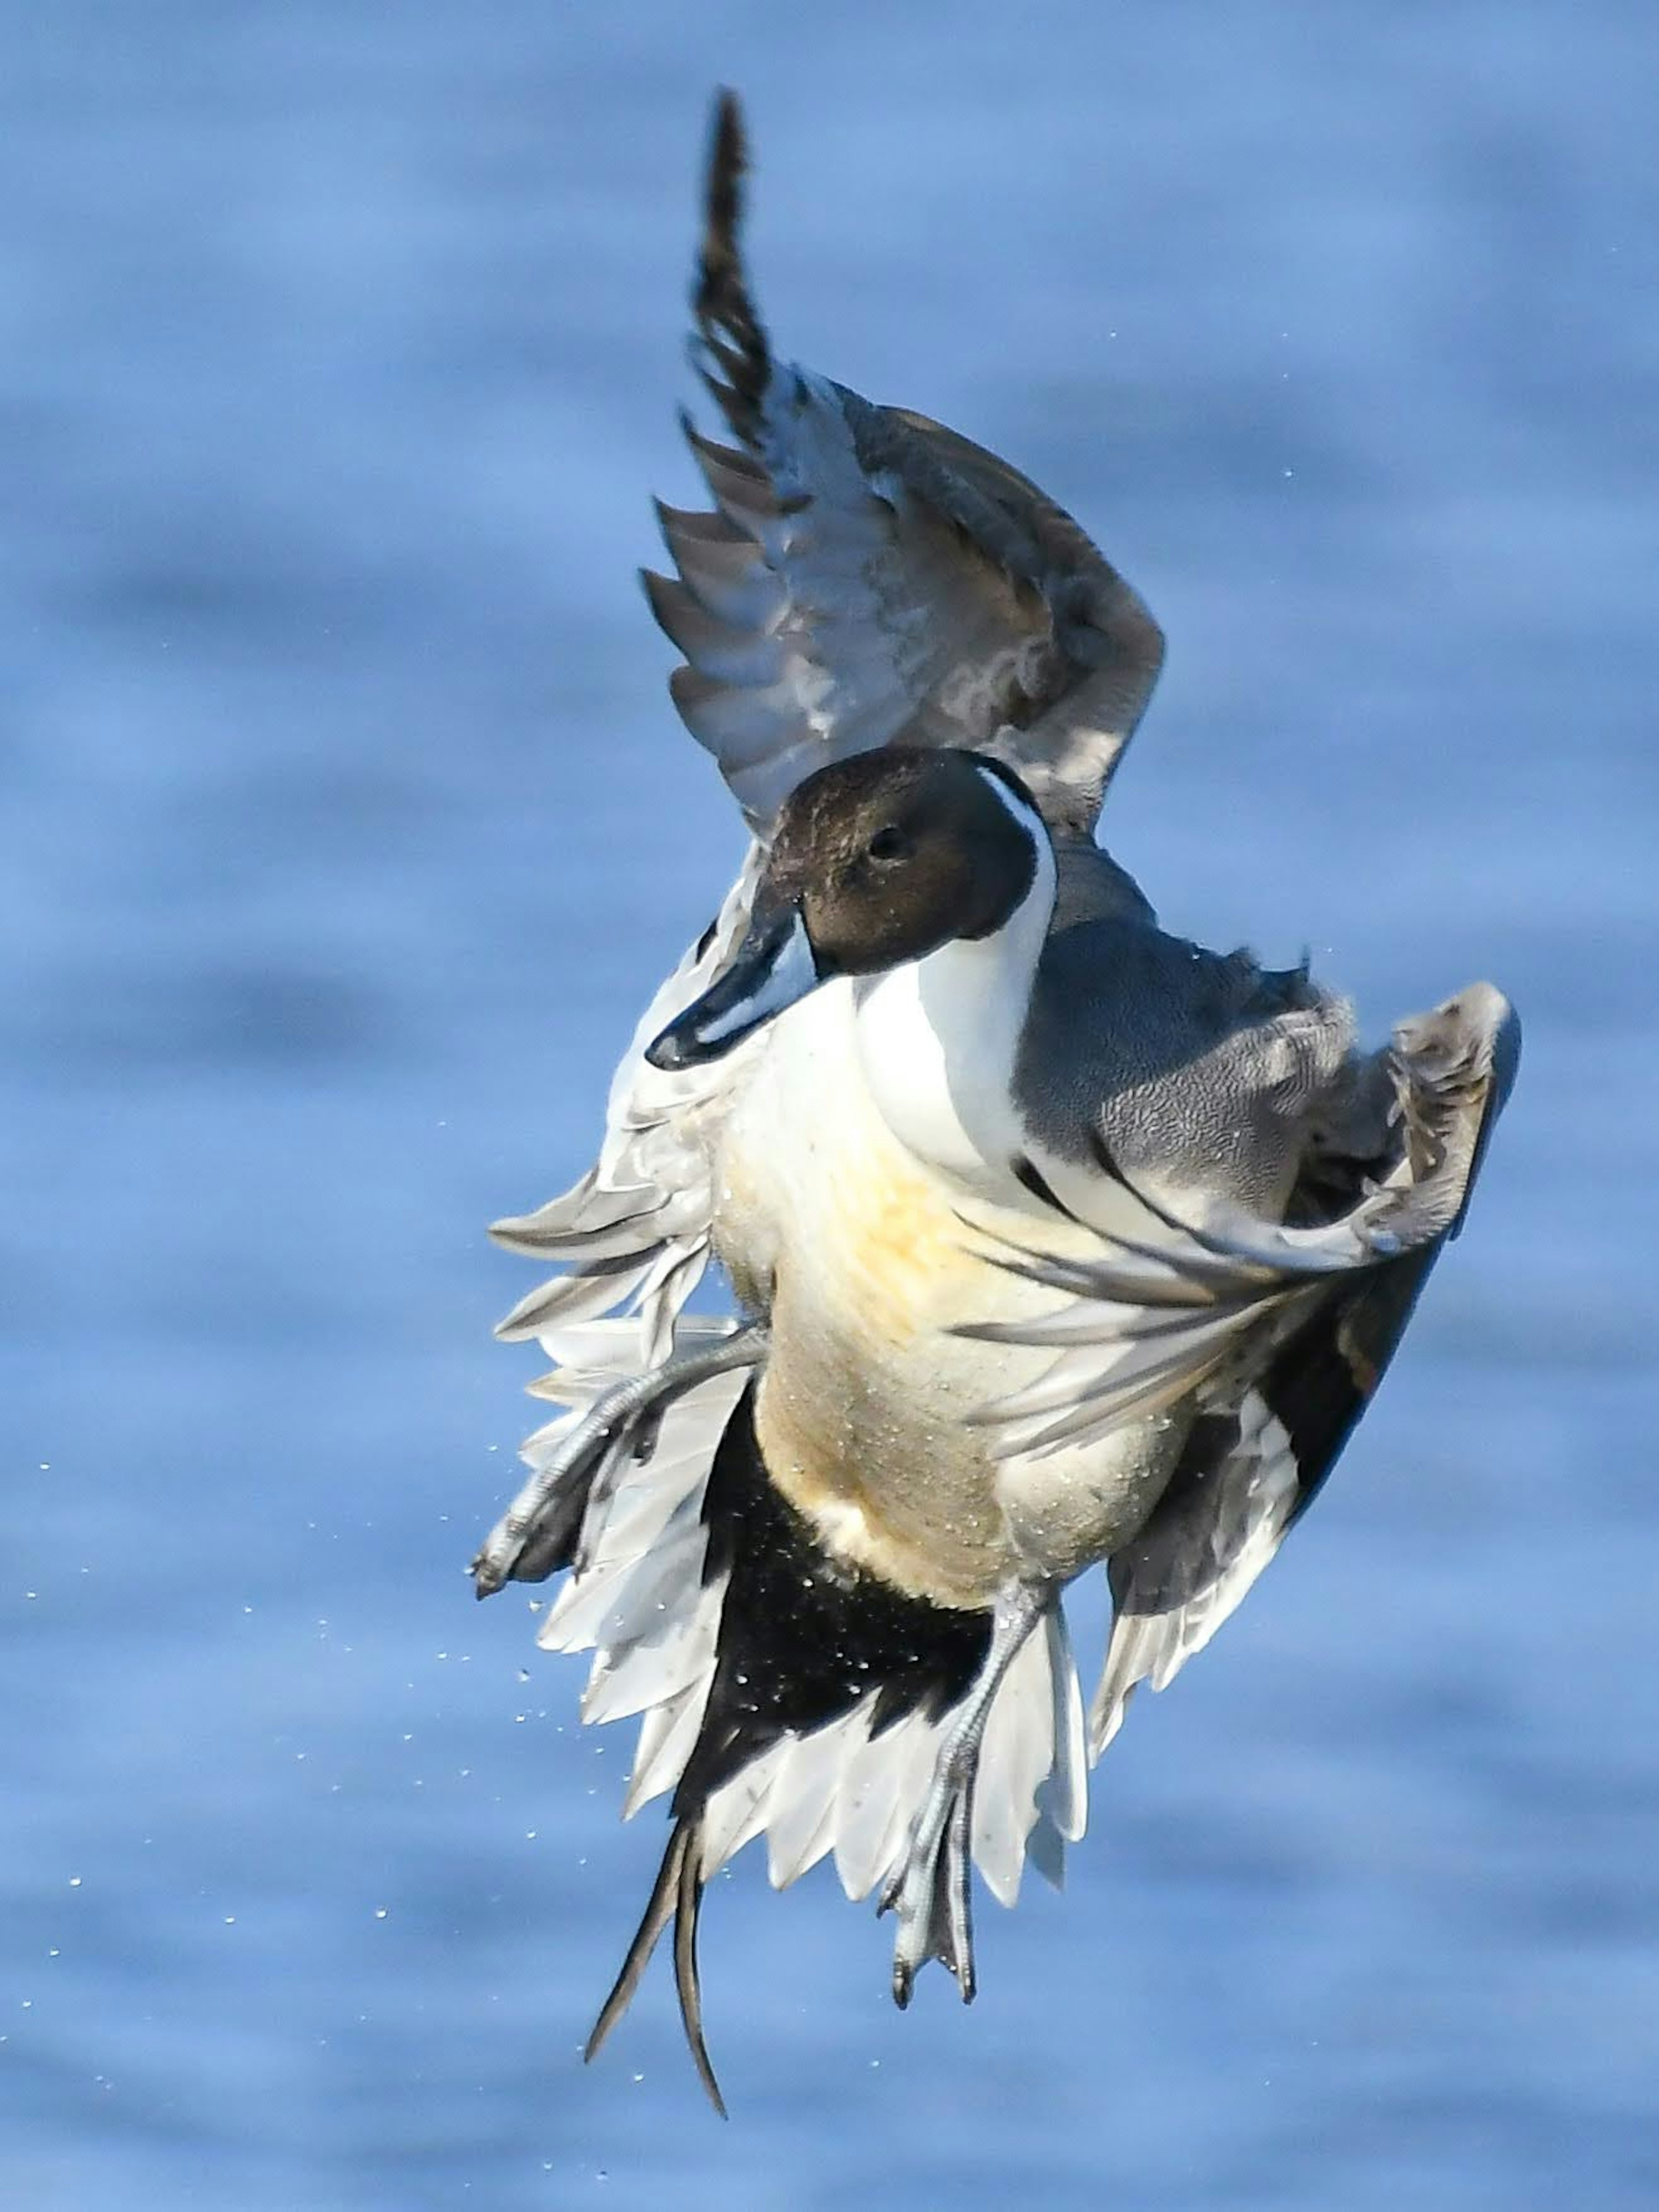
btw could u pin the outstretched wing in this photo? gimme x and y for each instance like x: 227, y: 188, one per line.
x: 1280, y: 1335
x: 636, y: 1230
x: 1243, y: 1479
x: 868, y: 575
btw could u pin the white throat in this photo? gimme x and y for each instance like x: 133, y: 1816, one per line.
x: 937, y: 1037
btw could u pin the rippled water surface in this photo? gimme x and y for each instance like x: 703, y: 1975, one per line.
x: 347, y: 826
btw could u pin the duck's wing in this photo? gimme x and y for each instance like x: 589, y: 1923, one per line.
x: 636, y: 1230
x: 864, y: 575
x: 1169, y: 1305
x: 1244, y: 1478
x: 867, y: 576
x: 1279, y: 1337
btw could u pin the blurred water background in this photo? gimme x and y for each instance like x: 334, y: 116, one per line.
x: 346, y: 827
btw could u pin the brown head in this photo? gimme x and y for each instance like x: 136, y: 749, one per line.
x: 875, y: 860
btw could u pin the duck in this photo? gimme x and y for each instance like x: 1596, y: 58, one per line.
x: 1054, y: 1241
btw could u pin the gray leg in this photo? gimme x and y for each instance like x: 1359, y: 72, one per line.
x: 540, y: 1531
x: 930, y: 1891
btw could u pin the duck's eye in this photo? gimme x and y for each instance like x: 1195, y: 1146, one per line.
x: 888, y: 843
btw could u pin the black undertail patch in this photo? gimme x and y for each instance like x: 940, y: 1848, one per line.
x: 804, y: 1637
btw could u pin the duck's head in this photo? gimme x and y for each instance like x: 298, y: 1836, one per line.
x: 875, y: 860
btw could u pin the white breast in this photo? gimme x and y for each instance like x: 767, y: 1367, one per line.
x: 937, y: 1041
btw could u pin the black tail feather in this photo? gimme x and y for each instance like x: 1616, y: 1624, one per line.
x: 688, y: 1906
x: 676, y: 1895
x: 663, y: 1897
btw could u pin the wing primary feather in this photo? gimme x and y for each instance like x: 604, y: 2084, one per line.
x: 727, y: 320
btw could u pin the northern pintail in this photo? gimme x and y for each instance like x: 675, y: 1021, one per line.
x: 1055, y: 1240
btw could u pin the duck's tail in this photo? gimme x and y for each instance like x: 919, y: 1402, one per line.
x: 677, y: 1895
x: 787, y: 1694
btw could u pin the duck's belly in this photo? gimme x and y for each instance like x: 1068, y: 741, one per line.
x: 859, y: 1254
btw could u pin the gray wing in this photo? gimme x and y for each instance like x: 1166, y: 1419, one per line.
x: 1243, y: 1479
x: 1170, y: 1308
x: 1278, y: 1336
x: 636, y: 1230
x: 867, y: 576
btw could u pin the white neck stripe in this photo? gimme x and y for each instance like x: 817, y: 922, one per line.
x: 1023, y: 811
x: 938, y: 1037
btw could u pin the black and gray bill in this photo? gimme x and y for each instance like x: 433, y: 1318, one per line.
x: 772, y: 967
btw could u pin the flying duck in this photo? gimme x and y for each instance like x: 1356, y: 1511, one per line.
x: 1054, y: 1241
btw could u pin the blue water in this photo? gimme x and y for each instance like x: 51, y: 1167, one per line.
x: 346, y: 826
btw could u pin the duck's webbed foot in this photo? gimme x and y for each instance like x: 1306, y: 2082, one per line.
x: 931, y: 1891
x: 541, y: 1531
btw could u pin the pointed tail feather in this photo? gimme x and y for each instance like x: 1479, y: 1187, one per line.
x: 677, y: 1896
x: 687, y: 1908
